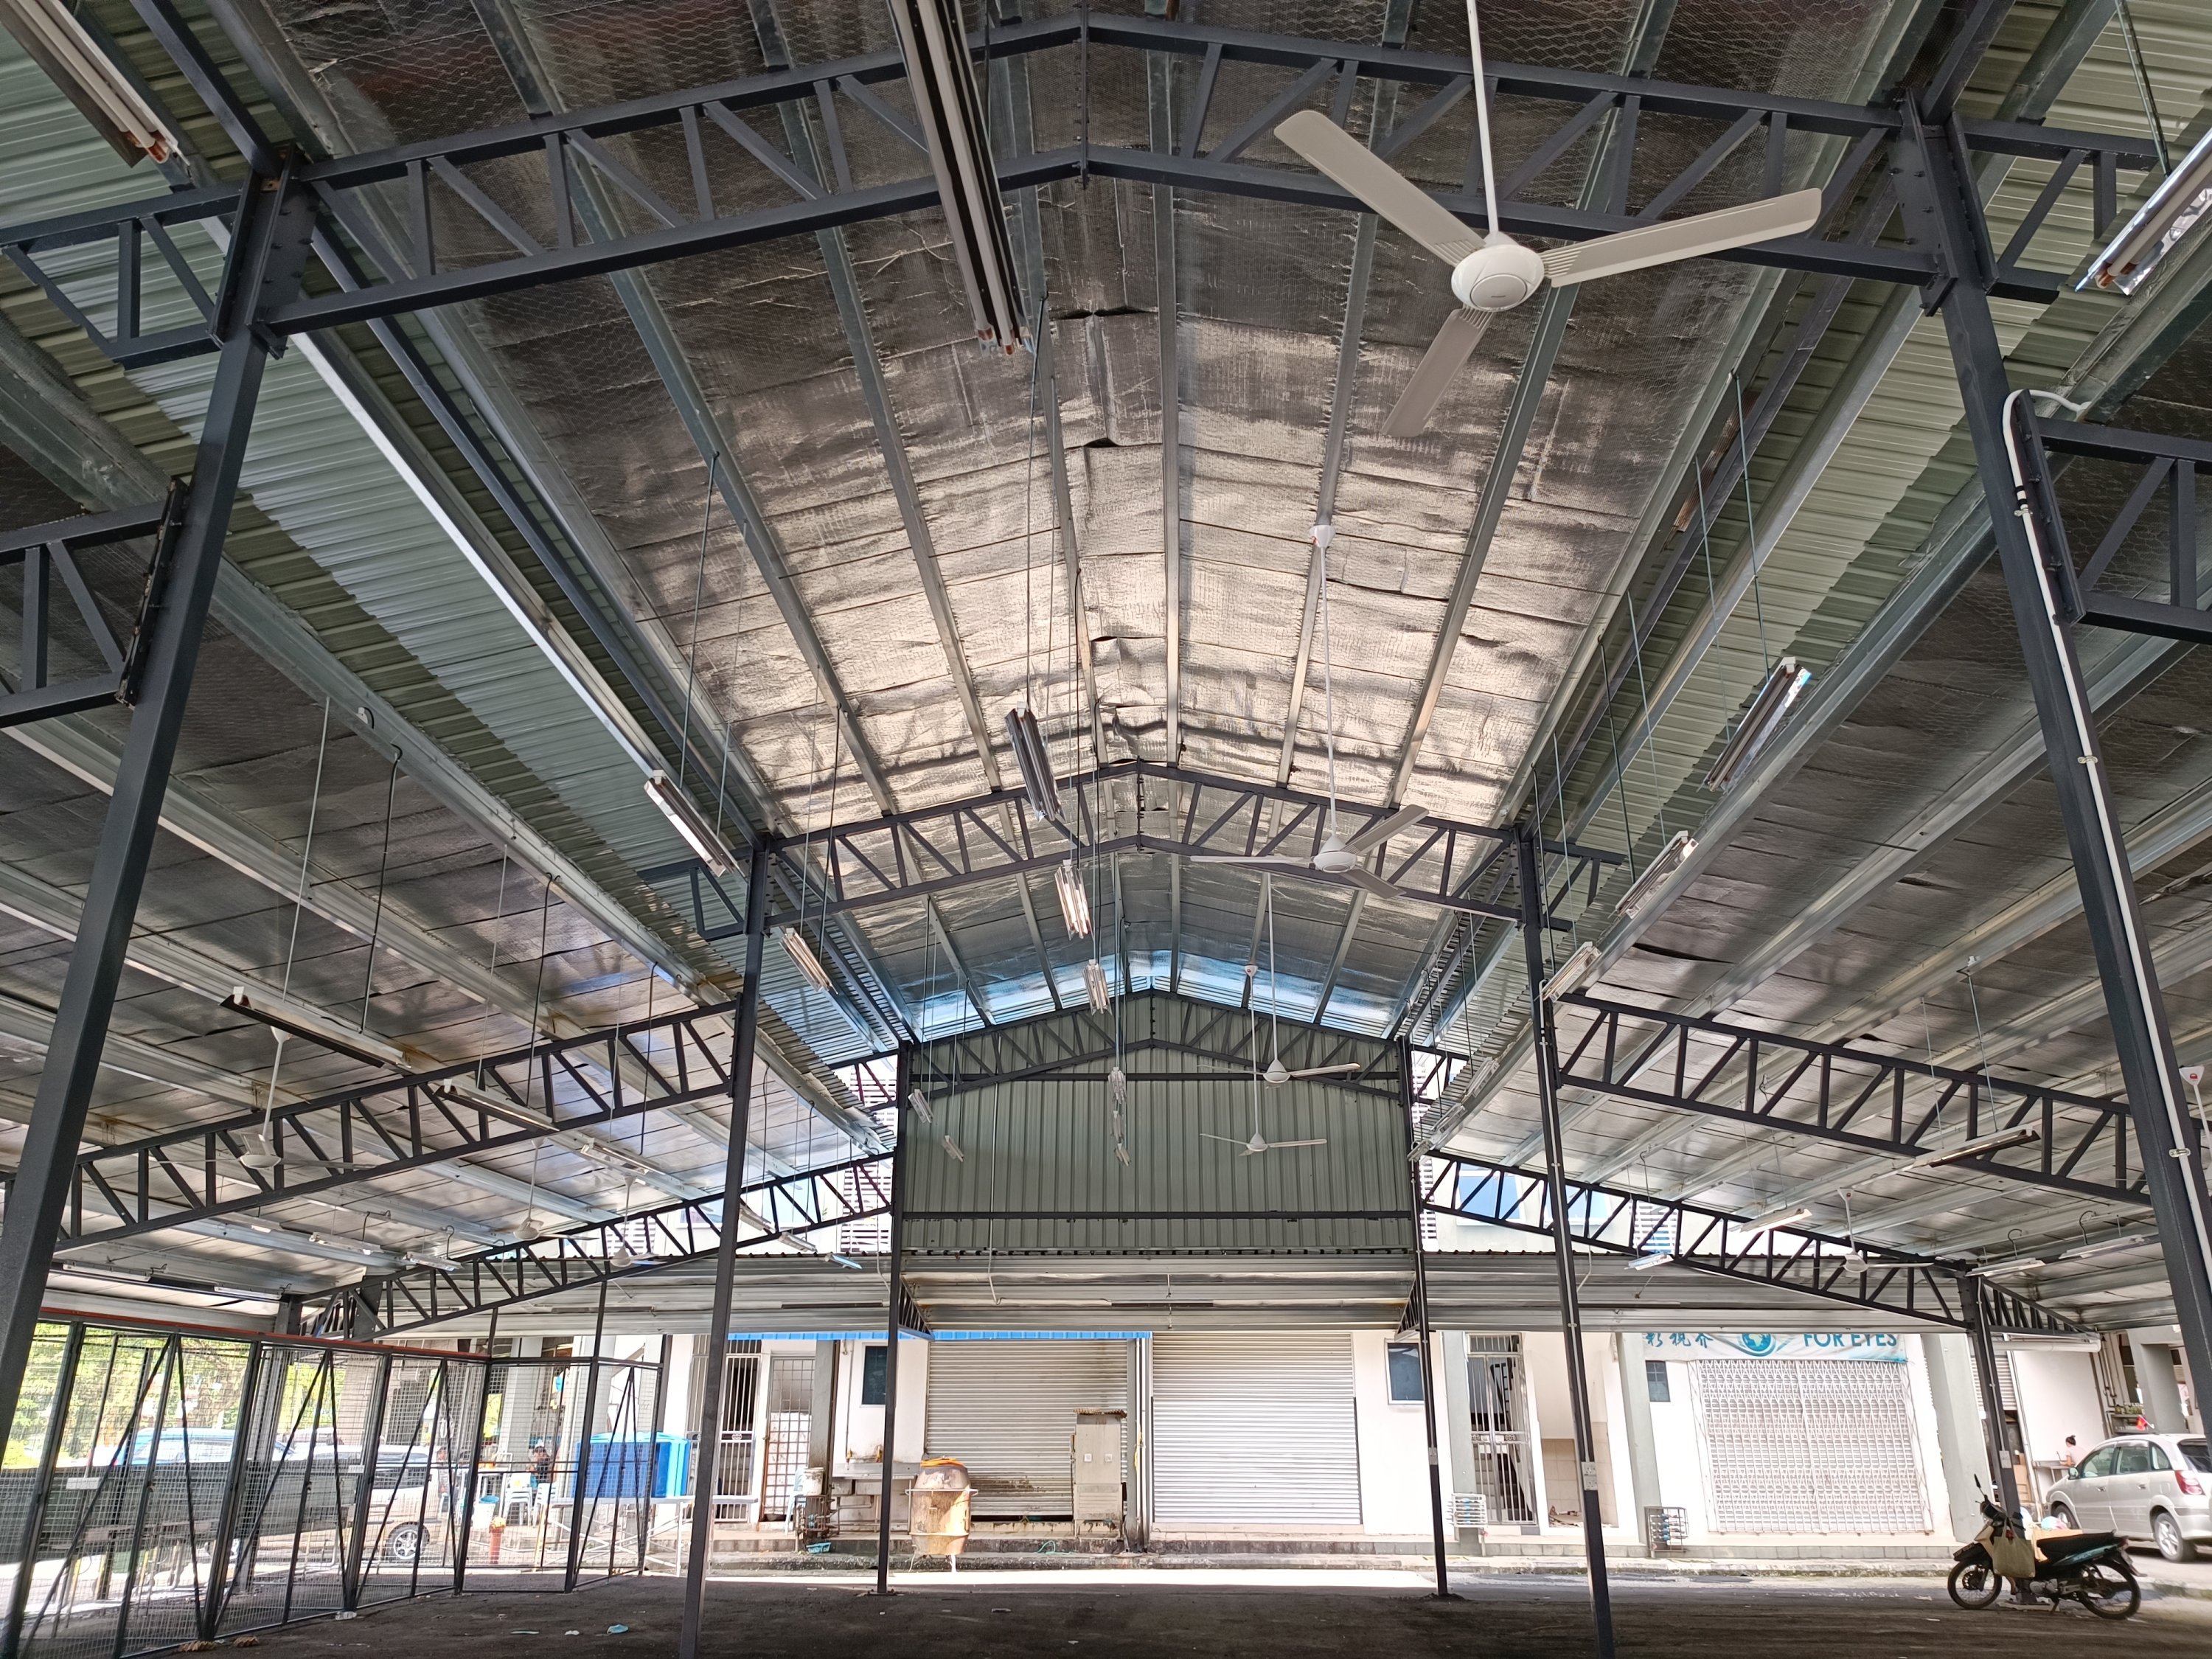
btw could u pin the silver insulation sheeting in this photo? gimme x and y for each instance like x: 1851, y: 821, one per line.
x: 1260, y: 293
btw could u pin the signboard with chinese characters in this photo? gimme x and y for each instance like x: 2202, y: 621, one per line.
x: 1884, y: 1346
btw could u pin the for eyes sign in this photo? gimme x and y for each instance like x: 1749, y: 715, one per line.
x: 1881, y: 1346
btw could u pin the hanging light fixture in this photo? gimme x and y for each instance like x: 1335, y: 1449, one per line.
x: 690, y: 822
x: 1765, y: 714
x: 58, y: 43
x: 1759, y: 1226
x: 1653, y: 1259
x: 475, y: 1097
x: 1036, y: 764
x: 919, y: 1103
x: 1654, y: 875
x: 802, y: 956
x: 1074, y: 902
x: 952, y: 1150
x: 1577, y: 971
x: 299, y: 1018
x: 1971, y: 1149
x: 2175, y: 209
x: 1095, y: 987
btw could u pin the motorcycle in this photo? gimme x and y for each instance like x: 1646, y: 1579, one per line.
x: 2088, y: 1567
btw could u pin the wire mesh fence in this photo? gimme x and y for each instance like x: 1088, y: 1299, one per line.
x: 161, y: 1485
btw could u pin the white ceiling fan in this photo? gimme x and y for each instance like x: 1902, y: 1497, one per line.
x: 1258, y: 1143
x: 1494, y: 273
x: 1277, y: 1073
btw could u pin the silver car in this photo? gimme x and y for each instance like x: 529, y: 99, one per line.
x: 2152, y: 1488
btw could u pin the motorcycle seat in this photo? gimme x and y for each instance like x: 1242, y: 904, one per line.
x: 2049, y: 1544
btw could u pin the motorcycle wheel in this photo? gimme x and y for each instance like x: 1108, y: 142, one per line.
x: 1973, y: 1585
x: 2109, y: 1591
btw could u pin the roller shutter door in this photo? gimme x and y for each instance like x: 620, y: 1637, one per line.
x: 1007, y: 1411
x: 1252, y: 1430
x: 1809, y: 1446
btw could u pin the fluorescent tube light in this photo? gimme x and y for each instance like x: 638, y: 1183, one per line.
x: 301, y: 1019
x: 1664, y: 863
x: 1096, y: 987
x: 690, y: 822
x: 941, y: 79
x: 2175, y: 209
x: 1074, y: 902
x: 1980, y: 1148
x: 475, y: 1097
x: 1577, y: 971
x: 953, y: 1147
x: 1761, y: 1225
x: 58, y: 43
x: 919, y: 1104
x: 2017, y: 1264
x: 1656, y: 1259
x: 436, y: 1263
x: 2109, y: 1247
x: 1034, y: 763
x: 1767, y: 712
x: 803, y: 958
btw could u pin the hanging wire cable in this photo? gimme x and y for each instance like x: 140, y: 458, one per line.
x: 1751, y: 524
x: 2142, y: 87
x: 376, y: 916
x: 691, y: 647
x: 1651, y: 746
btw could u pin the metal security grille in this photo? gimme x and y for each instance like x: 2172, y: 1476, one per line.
x: 1254, y: 1430
x: 790, y: 1413
x: 734, y: 1466
x: 1500, y: 1437
x: 1007, y: 1410
x: 1809, y: 1446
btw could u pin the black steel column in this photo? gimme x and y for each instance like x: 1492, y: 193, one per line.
x: 1994, y: 1438
x: 1944, y: 217
x: 1555, y: 1169
x: 891, y: 1322
x: 267, y: 251
x: 1421, y: 1318
x: 742, y: 1039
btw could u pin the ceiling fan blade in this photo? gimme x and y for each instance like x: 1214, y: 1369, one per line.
x: 1230, y: 1139
x: 1277, y: 1146
x: 1383, y: 829
x: 1345, y: 1070
x: 1380, y: 185
x: 1373, y: 883
x: 1247, y: 857
x: 1447, y: 355
x: 1684, y: 238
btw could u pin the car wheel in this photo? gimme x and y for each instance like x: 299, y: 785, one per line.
x: 2165, y: 1533
x: 402, y: 1545
x: 2064, y: 1518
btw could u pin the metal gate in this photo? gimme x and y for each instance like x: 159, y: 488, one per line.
x: 1255, y: 1432
x: 1809, y: 1445
x: 1498, y: 1432
x: 1007, y: 1410
x: 163, y: 1485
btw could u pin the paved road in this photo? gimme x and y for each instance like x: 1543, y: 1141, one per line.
x: 1141, y: 1614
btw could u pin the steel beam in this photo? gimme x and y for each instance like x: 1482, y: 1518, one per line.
x: 574, y: 142
x: 1950, y: 226
x: 894, y: 1297
x: 268, y: 260
x: 556, y: 1087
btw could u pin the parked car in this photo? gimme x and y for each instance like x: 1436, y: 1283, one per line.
x: 2148, y: 1488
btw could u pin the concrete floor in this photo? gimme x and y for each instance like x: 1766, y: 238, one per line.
x: 1240, y: 1615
